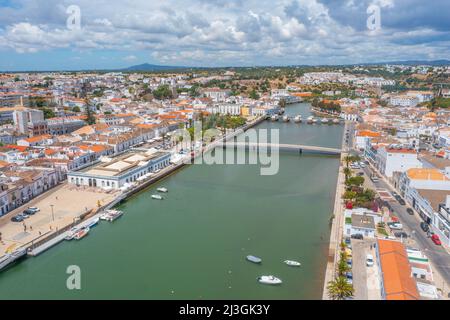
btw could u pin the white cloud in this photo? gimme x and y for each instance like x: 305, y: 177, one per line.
x: 211, y: 31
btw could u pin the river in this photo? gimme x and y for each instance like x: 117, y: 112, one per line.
x: 193, y: 244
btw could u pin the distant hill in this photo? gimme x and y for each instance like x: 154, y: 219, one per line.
x: 152, y: 67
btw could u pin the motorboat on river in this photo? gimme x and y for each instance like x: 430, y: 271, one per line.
x: 271, y: 280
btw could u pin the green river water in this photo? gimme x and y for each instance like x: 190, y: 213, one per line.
x: 193, y: 244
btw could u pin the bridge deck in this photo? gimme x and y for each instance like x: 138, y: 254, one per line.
x: 294, y: 147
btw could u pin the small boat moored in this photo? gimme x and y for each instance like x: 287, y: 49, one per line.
x: 81, y: 233
x: 298, y: 119
x: 93, y: 223
x: 157, y: 197
x: 111, y: 215
x: 254, y: 259
x: 163, y: 190
x: 269, y: 280
x: 292, y: 263
x: 286, y: 119
x: 275, y: 117
x: 324, y: 121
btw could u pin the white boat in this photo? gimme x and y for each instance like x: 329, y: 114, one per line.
x: 81, y: 233
x: 292, y: 263
x: 310, y: 119
x: 72, y: 233
x: 275, y: 117
x: 298, y: 119
x: 111, y: 215
x: 336, y: 121
x: 269, y: 280
x: 254, y: 259
x: 325, y: 121
x: 286, y: 119
x: 315, y: 121
x: 93, y: 223
x: 163, y: 190
x: 157, y: 197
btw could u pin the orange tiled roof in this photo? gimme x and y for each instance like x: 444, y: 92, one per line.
x: 18, y: 148
x: 400, y: 151
x: 38, y: 138
x: 302, y: 94
x: 397, y: 279
x: 426, y: 174
x: 368, y: 133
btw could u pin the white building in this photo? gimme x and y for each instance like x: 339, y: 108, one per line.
x: 390, y: 160
x: 115, y: 173
x: 361, y: 221
x: 404, y: 101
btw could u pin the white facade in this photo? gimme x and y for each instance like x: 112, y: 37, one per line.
x: 391, y: 160
x: 404, y: 101
x: 117, y: 172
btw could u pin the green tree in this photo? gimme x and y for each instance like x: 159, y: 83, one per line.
x: 340, y: 289
x: 354, y: 181
x: 347, y: 173
x: 76, y: 109
x: 48, y: 113
x: 163, y: 92
x: 90, y: 118
x: 254, y: 95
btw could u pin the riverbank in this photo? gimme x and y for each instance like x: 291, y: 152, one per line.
x: 337, y: 225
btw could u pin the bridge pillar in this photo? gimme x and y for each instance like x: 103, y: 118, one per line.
x: 300, y: 151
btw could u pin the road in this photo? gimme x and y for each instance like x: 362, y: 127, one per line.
x: 411, y: 225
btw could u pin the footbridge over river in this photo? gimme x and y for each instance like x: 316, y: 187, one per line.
x: 284, y: 147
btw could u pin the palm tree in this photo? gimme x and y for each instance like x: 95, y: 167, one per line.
x: 348, y: 173
x: 340, y: 289
x: 348, y: 159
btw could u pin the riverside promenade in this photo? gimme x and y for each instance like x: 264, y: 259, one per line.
x: 337, y: 224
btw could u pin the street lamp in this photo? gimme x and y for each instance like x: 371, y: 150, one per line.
x: 53, y: 214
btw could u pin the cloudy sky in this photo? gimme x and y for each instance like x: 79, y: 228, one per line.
x: 36, y: 35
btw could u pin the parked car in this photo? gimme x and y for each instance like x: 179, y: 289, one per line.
x: 28, y: 212
x: 436, y: 240
x: 18, y: 218
x: 403, y: 235
x: 410, y: 211
x: 394, y: 194
x: 369, y: 260
x: 348, y: 242
x: 395, y: 225
x: 35, y: 209
x: 349, y: 262
x: 424, y: 226
x: 360, y: 174
x: 349, y: 277
x: 401, y: 201
x: 357, y: 236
